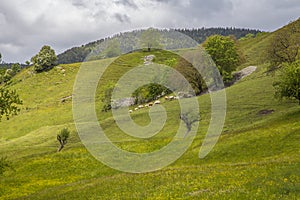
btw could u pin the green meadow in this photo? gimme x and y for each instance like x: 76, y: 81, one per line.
x: 256, y: 157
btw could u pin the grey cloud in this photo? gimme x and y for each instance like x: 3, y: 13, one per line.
x: 285, y: 4
x: 162, y: 1
x: 123, y: 18
x: 128, y: 3
x: 78, y: 3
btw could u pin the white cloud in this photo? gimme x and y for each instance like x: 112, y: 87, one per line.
x: 26, y: 25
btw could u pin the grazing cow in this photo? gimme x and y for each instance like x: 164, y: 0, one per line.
x: 150, y: 104
x: 136, y: 109
x: 130, y: 111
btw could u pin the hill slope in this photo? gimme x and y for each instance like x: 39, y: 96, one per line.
x: 257, y: 156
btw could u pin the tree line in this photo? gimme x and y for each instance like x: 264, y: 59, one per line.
x: 127, y: 41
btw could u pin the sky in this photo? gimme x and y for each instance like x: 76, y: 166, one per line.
x: 27, y: 25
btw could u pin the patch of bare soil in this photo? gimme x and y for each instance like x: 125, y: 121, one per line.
x: 265, y: 112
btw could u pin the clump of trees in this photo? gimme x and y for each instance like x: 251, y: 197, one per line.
x: 224, y: 52
x: 62, y: 138
x: 44, y: 60
x: 288, y: 85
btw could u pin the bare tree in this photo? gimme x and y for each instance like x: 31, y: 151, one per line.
x: 285, y: 45
x: 189, y: 120
x: 62, y: 138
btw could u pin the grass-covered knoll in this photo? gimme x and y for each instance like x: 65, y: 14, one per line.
x: 257, y: 156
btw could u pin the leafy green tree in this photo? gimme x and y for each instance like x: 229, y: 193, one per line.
x: 44, y: 60
x: 9, y: 101
x: 224, y: 52
x: 16, y: 67
x: 285, y: 45
x: 288, y: 85
x: 150, y: 38
x: 62, y: 138
x: 0, y: 58
x: 27, y: 62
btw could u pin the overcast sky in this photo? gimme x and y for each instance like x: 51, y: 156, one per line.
x: 27, y: 25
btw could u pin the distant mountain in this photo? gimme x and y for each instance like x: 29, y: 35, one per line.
x: 128, y: 42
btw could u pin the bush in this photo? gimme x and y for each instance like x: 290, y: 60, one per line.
x: 149, y: 93
x: 288, y: 85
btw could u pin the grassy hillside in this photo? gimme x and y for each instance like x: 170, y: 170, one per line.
x: 255, y: 49
x: 257, y: 156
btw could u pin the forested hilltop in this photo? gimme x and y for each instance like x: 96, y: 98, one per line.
x: 126, y: 42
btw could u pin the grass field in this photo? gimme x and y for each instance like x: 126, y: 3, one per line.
x: 256, y: 157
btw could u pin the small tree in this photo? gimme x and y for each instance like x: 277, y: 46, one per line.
x: 27, y: 62
x: 150, y: 39
x: 44, y: 60
x: 9, y: 101
x: 288, y: 85
x: 62, y: 138
x: 224, y: 52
